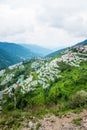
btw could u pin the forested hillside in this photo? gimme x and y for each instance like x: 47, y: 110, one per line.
x: 7, y: 59
x: 37, y: 87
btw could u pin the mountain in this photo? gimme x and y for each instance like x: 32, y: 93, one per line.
x: 60, y: 50
x: 17, y: 50
x: 7, y: 59
x: 41, y: 51
x: 12, y: 53
x: 81, y: 43
x: 55, y: 52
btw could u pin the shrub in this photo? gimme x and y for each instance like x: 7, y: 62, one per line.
x: 77, y: 121
x: 9, y: 106
x: 38, y: 126
x: 54, y: 94
x: 3, y: 121
x: 16, y: 114
x: 10, y: 122
x: 79, y: 99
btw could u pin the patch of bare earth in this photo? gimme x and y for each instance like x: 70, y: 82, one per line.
x: 52, y: 122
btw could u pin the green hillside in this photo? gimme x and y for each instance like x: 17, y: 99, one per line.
x: 61, y: 50
x: 17, y: 50
x: 40, y: 86
x: 7, y: 59
x: 12, y: 53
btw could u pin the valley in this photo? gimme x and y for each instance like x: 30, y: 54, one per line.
x: 13, y: 53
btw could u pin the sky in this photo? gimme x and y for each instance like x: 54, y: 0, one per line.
x: 48, y: 23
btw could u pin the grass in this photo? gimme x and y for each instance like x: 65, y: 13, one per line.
x: 3, y: 121
x: 11, y: 119
x: 77, y: 121
x: 38, y: 126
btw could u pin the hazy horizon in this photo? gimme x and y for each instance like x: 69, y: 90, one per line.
x: 50, y: 24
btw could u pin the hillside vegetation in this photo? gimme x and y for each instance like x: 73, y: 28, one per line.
x: 7, y: 59
x: 17, y: 50
x: 40, y: 86
x: 12, y: 53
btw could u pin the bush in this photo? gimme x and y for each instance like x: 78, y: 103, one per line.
x: 16, y: 114
x: 3, y: 121
x: 38, y: 126
x: 79, y: 99
x: 77, y: 121
x: 8, y: 107
x: 10, y: 122
x: 55, y: 94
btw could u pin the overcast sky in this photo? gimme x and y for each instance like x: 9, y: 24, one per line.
x: 49, y: 23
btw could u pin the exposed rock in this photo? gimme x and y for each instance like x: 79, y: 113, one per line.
x: 31, y: 124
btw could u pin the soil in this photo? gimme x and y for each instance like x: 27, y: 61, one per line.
x: 52, y: 122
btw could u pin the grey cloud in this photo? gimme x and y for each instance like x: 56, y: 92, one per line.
x: 14, y: 31
x: 67, y: 16
x: 72, y: 24
x: 43, y: 21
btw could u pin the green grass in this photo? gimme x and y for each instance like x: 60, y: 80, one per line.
x: 38, y: 126
x: 77, y: 121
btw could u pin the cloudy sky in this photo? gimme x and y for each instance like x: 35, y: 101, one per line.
x: 49, y: 23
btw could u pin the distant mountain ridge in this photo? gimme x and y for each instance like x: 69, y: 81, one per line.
x: 17, y: 50
x: 81, y: 43
x: 7, y: 59
x: 12, y: 53
x: 55, y: 52
x: 41, y: 51
x: 60, y: 50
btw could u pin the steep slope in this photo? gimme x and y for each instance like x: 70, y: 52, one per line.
x: 41, y: 51
x: 17, y: 50
x: 7, y: 59
x: 81, y: 43
x: 55, y: 52
x: 61, y: 50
